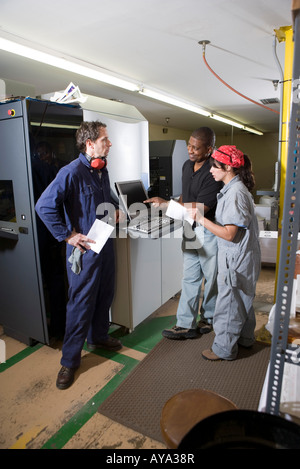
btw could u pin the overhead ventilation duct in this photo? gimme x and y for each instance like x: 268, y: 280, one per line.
x: 270, y: 101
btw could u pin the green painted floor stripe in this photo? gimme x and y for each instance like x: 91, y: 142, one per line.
x: 68, y: 430
x: 144, y: 337
x: 19, y: 357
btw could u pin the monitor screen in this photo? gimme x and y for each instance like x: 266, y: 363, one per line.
x: 132, y: 192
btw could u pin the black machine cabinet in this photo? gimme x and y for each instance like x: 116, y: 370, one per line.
x: 166, y: 160
x: 29, y: 271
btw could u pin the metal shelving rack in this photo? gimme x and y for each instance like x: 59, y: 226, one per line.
x: 281, y: 351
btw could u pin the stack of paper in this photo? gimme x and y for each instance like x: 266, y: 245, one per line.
x: 71, y: 94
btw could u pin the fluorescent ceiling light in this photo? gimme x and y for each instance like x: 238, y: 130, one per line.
x: 64, y: 64
x: 225, y: 120
x: 252, y: 131
x: 174, y: 101
x: 87, y: 71
x: 193, y: 108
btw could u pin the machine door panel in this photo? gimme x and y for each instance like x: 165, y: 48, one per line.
x: 22, y: 310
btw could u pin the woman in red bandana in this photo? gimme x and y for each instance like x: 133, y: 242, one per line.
x: 238, y: 253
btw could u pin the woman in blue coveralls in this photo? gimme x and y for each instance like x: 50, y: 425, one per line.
x: 238, y: 253
x: 68, y: 209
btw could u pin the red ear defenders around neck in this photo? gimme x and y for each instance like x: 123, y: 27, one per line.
x: 99, y: 163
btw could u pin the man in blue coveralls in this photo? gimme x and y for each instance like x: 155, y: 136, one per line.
x: 68, y: 208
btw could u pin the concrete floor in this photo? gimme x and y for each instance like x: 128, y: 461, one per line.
x: 35, y: 414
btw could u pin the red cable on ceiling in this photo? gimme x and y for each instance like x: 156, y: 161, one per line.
x: 235, y: 91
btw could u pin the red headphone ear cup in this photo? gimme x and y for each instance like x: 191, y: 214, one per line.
x: 98, y: 163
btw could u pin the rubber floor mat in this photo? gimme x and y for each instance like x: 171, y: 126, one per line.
x: 177, y: 365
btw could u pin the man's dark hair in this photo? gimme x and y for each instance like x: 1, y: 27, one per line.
x: 87, y: 131
x: 206, y: 134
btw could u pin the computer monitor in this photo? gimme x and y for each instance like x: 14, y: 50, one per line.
x: 132, y: 193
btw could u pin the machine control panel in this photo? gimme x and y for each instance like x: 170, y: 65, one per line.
x: 11, y: 109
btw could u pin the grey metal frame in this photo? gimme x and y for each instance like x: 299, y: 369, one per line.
x: 281, y: 352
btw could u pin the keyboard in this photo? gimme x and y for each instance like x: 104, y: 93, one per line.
x: 151, y: 224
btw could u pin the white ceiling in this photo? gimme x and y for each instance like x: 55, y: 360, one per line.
x: 155, y: 43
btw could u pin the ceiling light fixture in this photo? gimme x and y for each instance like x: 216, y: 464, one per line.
x: 235, y: 124
x: 225, y: 120
x: 173, y: 101
x: 64, y: 64
x: 94, y: 73
x: 193, y: 108
x: 252, y: 131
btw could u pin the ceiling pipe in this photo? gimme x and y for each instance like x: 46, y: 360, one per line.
x: 204, y: 43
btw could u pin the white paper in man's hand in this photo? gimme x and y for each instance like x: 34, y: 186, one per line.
x: 178, y: 212
x: 99, y: 232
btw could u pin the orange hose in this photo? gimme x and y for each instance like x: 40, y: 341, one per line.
x: 235, y: 91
